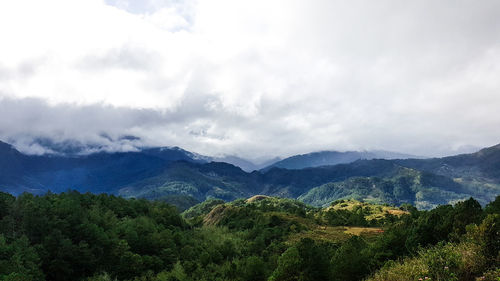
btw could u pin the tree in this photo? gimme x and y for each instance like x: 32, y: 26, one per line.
x: 350, y: 261
x: 289, y: 266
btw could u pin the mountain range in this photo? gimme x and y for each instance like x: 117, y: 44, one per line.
x: 177, y: 175
x: 328, y: 158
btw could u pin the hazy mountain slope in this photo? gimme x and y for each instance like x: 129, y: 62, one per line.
x: 98, y: 172
x: 101, y: 172
x: 12, y: 167
x: 11, y: 162
x: 324, y: 158
x: 484, y: 164
x: 172, y: 154
x: 244, y: 164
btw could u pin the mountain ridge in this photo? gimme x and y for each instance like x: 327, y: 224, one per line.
x: 331, y: 157
x: 158, y: 172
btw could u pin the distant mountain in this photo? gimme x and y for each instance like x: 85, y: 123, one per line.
x: 182, y: 177
x: 424, y: 182
x: 228, y: 182
x: 175, y: 153
x: 483, y: 165
x: 97, y: 172
x: 245, y: 165
x: 326, y: 158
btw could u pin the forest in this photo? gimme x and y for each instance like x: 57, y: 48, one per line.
x: 74, y: 236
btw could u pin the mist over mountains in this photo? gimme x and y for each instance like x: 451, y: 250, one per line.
x: 316, y: 178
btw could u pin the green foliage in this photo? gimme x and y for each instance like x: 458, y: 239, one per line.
x: 494, y: 206
x: 202, y: 208
x: 76, y: 234
x: 307, y: 261
x: 18, y: 260
x: 477, y: 250
x: 351, y: 261
x: 73, y: 236
x: 446, y: 261
x: 490, y: 275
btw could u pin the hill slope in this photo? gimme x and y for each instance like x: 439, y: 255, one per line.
x: 422, y: 189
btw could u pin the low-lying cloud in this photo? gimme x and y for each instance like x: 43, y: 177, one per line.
x: 251, y: 78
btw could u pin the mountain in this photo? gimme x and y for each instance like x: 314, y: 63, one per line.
x: 228, y: 182
x: 423, y: 182
x: 160, y: 173
x: 171, y: 154
x: 431, y: 182
x: 376, y: 181
x: 483, y: 165
x: 421, y: 189
x: 201, y: 181
x: 325, y: 158
x: 75, y: 148
x: 245, y: 165
x: 11, y: 167
x: 97, y: 172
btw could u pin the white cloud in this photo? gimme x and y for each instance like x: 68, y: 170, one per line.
x: 257, y: 77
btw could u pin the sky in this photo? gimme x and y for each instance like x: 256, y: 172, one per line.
x: 259, y: 78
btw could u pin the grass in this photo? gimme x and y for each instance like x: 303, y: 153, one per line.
x: 326, y: 233
x: 363, y: 231
x: 375, y: 211
x: 310, y: 227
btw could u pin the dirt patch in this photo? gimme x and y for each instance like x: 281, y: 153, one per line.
x: 216, y: 215
x: 397, y: 212
x: 257, y: 198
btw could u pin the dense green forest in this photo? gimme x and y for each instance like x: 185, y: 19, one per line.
x: 73, y: 236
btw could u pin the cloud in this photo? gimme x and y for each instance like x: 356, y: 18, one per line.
x: 255, y: 77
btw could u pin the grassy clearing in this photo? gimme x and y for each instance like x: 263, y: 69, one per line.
x: 374, y: 211
x: 363, y: 231
x: 335, y: 233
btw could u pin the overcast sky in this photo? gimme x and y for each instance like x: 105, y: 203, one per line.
x: 252, y: 78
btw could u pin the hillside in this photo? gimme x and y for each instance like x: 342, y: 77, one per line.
x: 86, y: 237
x: 422, y: 189
x: 201, y: 181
